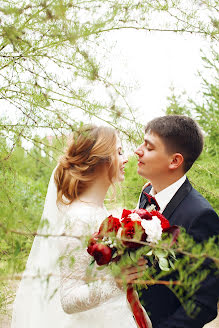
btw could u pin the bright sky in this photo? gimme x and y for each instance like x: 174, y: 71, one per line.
x: 155, y: 61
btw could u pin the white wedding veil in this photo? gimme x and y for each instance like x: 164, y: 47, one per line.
x: 37, y: 302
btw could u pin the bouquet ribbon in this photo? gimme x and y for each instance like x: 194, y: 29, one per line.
x: 137, y: 309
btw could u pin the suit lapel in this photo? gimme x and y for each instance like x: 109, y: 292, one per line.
x: 181, y: 193
x: 143, y: 199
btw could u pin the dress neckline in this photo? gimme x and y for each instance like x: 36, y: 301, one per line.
x: 88, y: 204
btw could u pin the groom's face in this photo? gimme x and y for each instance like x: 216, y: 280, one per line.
x: 153, y: 159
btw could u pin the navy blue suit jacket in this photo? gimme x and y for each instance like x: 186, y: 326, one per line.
x: 192, y: 211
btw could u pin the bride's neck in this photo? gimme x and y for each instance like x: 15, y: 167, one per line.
x: 96, y: 192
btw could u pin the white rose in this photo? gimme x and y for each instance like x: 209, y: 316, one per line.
x: 134, y: 217
x: 153, y: 229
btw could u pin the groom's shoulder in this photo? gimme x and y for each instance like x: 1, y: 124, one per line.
x: 199, y: 217
x: 196, y: 205
x: 198, y: 201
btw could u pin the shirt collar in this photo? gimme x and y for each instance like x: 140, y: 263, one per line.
x: 164, y: 196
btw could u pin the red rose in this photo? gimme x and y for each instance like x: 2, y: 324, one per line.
x: 164, y: 222
x: 124, y: 217
x: 93, y: 240
x: 175, y: 231
x: 110, y: 224
x: 102, y: 254
x: 144, y: 214
x: 126, y: 220
x: 133, y: 230
x: 126, y: 213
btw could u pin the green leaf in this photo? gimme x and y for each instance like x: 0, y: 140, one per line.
x: 17, y: 248
x: 160, y: 253
x: 99, y: 268
x: 171, y: 264
x: 172, y: 253
x: 114, y: 255
x: 92, y: 263
x: 132, y: 256
x: 163, y: 264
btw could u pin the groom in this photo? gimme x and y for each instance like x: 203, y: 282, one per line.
x: 171, y: 145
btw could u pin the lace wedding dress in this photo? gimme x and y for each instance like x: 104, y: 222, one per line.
x: 54, y: 291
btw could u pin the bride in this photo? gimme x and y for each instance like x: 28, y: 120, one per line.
x: 54, y: 291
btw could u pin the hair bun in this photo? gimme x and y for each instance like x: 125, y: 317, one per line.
x: 87, y: 150
x: 66, y: 162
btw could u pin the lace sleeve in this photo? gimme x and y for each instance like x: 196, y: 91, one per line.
x: 76, y: 294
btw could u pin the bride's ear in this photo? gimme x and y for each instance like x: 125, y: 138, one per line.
x: 176, y: 161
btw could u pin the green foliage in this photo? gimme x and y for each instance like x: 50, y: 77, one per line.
x: 50, y: 70
x: 207, y: 114
x: 176, y: 106
x: 22, y: 198
x: 192, y: 268
x: 24, y: 178
x: 204, y: 174
x: 189, y: 266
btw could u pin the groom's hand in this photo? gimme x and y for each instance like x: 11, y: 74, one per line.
x: 129, y: 274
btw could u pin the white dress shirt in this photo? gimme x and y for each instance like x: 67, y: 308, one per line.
x: 164, y: 196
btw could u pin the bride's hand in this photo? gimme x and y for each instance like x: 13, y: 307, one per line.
x: 129, y: 274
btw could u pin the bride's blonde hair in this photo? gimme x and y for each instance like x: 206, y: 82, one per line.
x: 89, y: 149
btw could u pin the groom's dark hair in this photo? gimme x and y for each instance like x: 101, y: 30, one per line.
x: 180, y: 134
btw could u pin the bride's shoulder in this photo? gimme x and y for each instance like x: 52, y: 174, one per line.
x: 85, y: 209
x: 79, y: 214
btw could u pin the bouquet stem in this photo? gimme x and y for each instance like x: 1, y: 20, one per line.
x: 138, y: 311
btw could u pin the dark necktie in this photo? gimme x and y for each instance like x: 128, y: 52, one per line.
x: 149, y: 200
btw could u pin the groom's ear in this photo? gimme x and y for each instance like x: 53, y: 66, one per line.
x: 177, y: 160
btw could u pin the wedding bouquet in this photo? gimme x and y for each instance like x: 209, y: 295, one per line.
x: 119, y: 237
